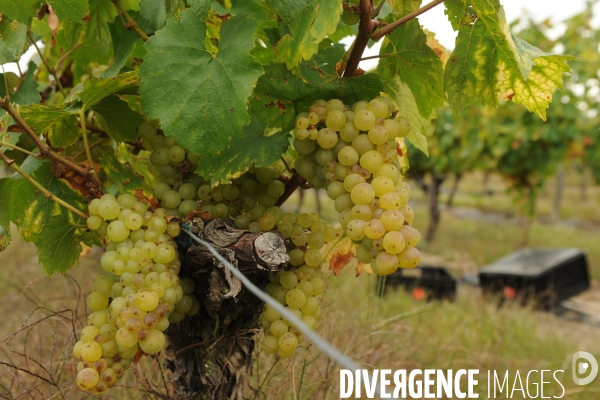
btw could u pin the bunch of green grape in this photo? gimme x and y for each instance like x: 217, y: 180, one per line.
x: 137, y: 294
x: 351, y: 153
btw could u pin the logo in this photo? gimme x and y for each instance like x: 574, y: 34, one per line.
x: 580, y: 368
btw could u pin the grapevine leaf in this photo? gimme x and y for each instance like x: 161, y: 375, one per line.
x: 30, y: 215
x: 123, y: 44
x: 123, y: 175
x: 415, y: 64
x: 61, y: 125
x: 58, y: 245
x: 117, y: 119
x: 199, y: 97
x: 27, y: 93
x: 154, y: 13
x: 73, y: 10
x: 280, y: 94
x: 404, y: 7
x: 13, y: 37
x: 5, y: 134
x: 305, y: 23
x: 489, y: 63
x: 253, y: 148
x: 93, y: 90
x: 402, y: 95
x: 456, y: 11
x: 21, y: 10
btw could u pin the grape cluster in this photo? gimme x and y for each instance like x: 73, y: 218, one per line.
x: 173, y: 166
x: 351, y: 152
x: 137, y: 294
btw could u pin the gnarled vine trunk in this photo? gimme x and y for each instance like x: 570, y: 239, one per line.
x: 211, y: 353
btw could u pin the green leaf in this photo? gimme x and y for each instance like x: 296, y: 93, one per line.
x: 30, y: 215
x: 61, y: 125
x: 27, y: 93
x: 123, y: 44
x: 456, y: 10
x: 253, y: 148
x: 154, y: 14
x: 280, y: 95
x: 58, y: 245
x: 489, y: 64
x: 13, y: 38
x: 404, y: 7
x: 21, y: 10
x: 304, y: 23
x: 93, y: 90
x: 4, y: 215
x: 5, y: 135
x: 73, y: 10
x: 200, y: 98
x: 415, y: 64
x: 117, y: 119
x: 4, y: 237
x: 123, y: 174
x: 407, y: 106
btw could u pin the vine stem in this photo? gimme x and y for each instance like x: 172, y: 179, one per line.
x: 131, y: 24
x: 67, y: 54
x: 86, y: 143
x: 11, y: 164
x: 365, y: 29
x: 50, y: 70
x: 46, y: 151
x: 389, y: 28
x: 22, y: 150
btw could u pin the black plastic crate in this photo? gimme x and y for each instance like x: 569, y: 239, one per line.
x: 436, y: 282
x: 546, y: 276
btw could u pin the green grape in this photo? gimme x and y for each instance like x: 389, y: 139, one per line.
x: 361, y: 212
x: 379, y: 108
x: 276, y: 188
x: 340, y: 172
x: 296, y: 257
x: 345, y: 217
x: 171, y: 199
x: 348, y: 156
x: 97, y: 301
x: 363, y: 193
x: 186, y: 207
x: 288, y: 280
x: 393, y: 220
x: 330, y: 234
x: 349, y: 132
x: 305, y: 167
x: 386, y: 263
x: 356, y: 229
x: 270, y: 344
x: 371, y: 160
x: 305, y: 220
x: 91, y: 351
x: 187, y: 191
x: 334, y: 104
x: 301, y: 133
x: 288, y: 343
x: 411, y: 235
x: 335, y: 190
x: 364, y: 119
x: 109, y: 209
x: 231, y: 192
x: 323, y: 156
x: 93, y: 206
x: 408, y: 214
x: 241, y: 221
x: 266, y: 222
x: 300, y: 238
x: 270, y: 313
x: 363, y: 255
x: 279, y: 328
x: 390, y: 201
x: 165, y: 253
x: 127, y: 200
x: 389, y: 171
x: 378, y: 135
x: 362, y: 144
x: 349, y: 17
x: 304, y: 147
x: 302, y: 123
x: 133, y: 222
x: 394, y: 242
x: 154, y: 342
x: 382, y: 185
x: 327, y: 138
x: 295, y: 298
x: 352, y: 180
x: 404, y: 126
x: 87, y: 378
x: 265, y: 174
x: 392, y: 127
x: 374, y: 229
x: 336, y: 119
x: 94, y: 222
x: 313, y: 258
x: 146, y: 300
x: 184, y: 305
x: 205, y: 192
x: 88, y: 334
x: 176, y: 154
x: 344, y: 202
x: 316, y: 240
x: 311, y: 306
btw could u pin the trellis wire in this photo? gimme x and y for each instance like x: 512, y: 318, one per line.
x: 321, y: 343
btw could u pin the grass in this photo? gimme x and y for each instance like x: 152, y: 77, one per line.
x: 395, y: 332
